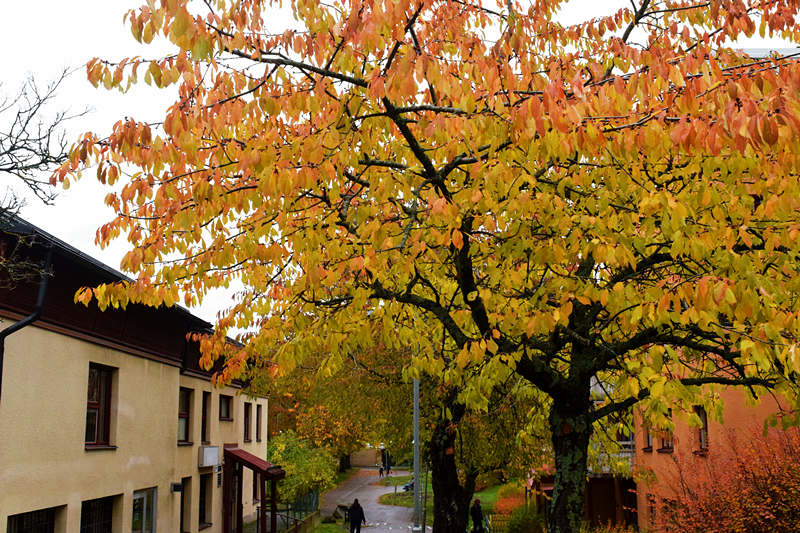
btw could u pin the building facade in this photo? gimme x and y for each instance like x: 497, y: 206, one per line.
x: 107, y: 422
x: 656, y: 450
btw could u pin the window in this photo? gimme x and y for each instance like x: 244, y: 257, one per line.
x: 247, y: 431
x: 255, y: 487
x: 225, y: 407
x: 204, y: 428
x: 184, y: 406
x: 96, y: 515
x: 205, y: 481
x: 144, y: 511
x: 258, y: 422
x: 702, y: 430
x: 651, y: 509
x: 648, y: 435
x: 42, y: 521
x: 667, y: 444
x: 98, y: 406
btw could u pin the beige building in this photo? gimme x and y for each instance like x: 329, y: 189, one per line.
x: 107, y: 423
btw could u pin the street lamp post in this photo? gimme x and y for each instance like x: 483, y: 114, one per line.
x: 416, y: 456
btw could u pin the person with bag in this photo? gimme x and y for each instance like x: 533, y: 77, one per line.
x: 356, y: 515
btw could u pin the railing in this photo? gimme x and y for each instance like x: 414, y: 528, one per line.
x: 291, y: 514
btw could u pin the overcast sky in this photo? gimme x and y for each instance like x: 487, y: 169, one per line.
x: 41, y: 37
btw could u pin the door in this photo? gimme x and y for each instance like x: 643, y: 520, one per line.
x: 144, y: 511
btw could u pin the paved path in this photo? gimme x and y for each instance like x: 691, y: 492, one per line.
x: 364, y: 486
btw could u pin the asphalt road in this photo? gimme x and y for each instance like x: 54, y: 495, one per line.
x: 364, y: 486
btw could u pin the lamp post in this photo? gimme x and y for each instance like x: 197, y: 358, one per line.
x: 416, y: 456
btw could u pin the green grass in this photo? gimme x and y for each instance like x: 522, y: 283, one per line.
x: 488, y: 498
x: 329, y: 528
x: 341, y: 477
x: 406, y: 499
x: 402, y: 480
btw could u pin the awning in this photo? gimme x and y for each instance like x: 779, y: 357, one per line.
x: 255, y: 463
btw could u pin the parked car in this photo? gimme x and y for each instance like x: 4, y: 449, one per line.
x: 409, y: 486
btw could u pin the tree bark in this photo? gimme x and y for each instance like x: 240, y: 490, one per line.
x: 450, y: 499
x: 344, y: 463
x: 571, y: 431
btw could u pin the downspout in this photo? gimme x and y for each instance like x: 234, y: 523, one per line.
x: 29, y: 319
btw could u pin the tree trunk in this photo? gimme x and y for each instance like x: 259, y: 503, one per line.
x: 450, y: 500
x: 344, y: 463
x: 571, y: 431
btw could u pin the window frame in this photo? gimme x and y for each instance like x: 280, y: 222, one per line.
x: 224, y: 399
x: 259, y: 416
x: 648, y: 439
x: 667, y: 438
x: 102, y: 406
x: 247, y: 433
x: 101, y: 514
x: 702, y: 433
x: 38, y: 521
x: 203, y: 501
x: 186, y: 415
x: 204, y: 437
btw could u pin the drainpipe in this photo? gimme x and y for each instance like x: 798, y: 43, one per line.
x: 29, y: 319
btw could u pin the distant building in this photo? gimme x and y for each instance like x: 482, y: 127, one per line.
x: 107, y: 422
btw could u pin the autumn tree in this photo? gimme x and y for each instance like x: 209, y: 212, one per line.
x: 32, y: 143
x: 610, y: 205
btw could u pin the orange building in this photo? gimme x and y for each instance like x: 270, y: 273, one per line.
x: 656, y: 450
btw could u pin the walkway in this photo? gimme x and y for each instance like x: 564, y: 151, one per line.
x: 364, y: 486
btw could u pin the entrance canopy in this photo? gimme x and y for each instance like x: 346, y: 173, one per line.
x: 256, y: 464
x: 236, y: 460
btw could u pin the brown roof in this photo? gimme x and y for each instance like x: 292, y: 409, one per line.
x: 255, y: 463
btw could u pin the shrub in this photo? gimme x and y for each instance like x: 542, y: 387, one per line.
x: 307, y: 468
x: 751, y: 487
x: 508, y: 504
x: 511, y: 489
x: 524, y: 519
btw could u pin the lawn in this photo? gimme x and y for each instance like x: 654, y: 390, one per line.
x: 329, y: 528
x: 341, y: 477
x: 488, y: 498
x: 406, y: 499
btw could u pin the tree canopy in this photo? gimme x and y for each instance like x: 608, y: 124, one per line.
x: 607, y: 210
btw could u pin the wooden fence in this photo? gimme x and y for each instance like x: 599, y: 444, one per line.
x: 498, y: 522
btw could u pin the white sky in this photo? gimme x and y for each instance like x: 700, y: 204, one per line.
x: 41, y: 37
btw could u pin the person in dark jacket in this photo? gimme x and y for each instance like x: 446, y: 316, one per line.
x: 356, y: 515
x: 477, y: 517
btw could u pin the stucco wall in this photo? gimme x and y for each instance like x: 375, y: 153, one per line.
x: 43, y: 461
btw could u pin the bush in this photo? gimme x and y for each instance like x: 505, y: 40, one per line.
x: 524, y: 519
x: 752, y: 487
x: 508, y: 504
x: 307, y: 468
x: 511, y: 489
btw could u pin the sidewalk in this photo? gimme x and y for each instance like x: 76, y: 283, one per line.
x: 364, y: 486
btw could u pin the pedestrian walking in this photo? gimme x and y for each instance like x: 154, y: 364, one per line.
x: 380, y: 472
x: 356, y: 517
x: 477, y: 517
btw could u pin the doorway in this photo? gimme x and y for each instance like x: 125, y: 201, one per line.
x: 144, y: 511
